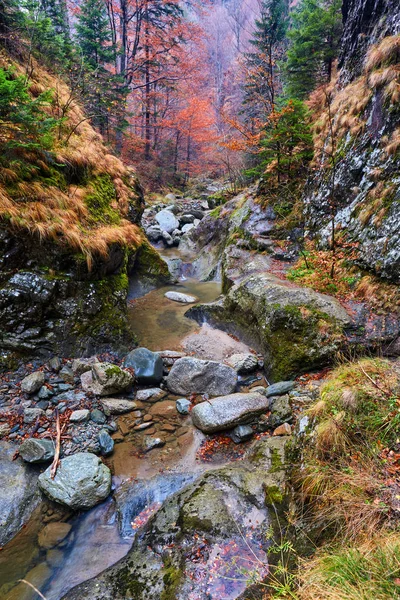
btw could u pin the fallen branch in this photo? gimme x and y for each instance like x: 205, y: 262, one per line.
x: 33, y: 587
x: 382, y: 390
x: 56, y: 460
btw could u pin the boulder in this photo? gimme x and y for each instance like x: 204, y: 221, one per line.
x: 5, y: 429
x: 81, y: 481
x: 97, y: 416
x: 243, y: 363
x: 280, y: 388
x: 167, y: 221
x: 53, y: 534
x: 183, y: 406
x: 186, y: 219
x: 150, y: 443
x: 105, y: 379
x: 281, y: 411
x: 67, y: 375
x: 106, y: 443
x: 154, y: 233
x: 55, y: 364
x: 284, y: 429
x: 182, y: 298
x: 225, y: 412
x: 36, y: 451
x: 33, y: 382
x: 78, y: 416
x: 117, y: 406
x: 188, y: 227
x: 82, y: 365
x: 242, y: 433
x: 195, y: 376
x: 148, y: 366
x: 18, y: 492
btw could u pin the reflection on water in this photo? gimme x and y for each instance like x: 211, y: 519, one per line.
x: 159, y: 323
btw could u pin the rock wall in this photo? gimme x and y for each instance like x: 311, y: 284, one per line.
x: 362, y: 190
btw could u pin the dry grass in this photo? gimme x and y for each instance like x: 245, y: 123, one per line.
x: 46, y: 208
x: 385, y: 53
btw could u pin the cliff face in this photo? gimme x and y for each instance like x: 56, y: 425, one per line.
x: 362, y: 190
x: 69, y: 235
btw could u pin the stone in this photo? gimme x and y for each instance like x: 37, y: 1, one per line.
x: 170, y: 198
x: 81, y: 481
x: 187, y: 228
x: 33, y: 382
x: 36, y: 451
x: 195, y: 376
x: 167, y: 238
x: 149, y: 443
x: 31, y: 414
x: 154, y: 233
x: 55, y: 557
x: 281, y: 410
x: 167, y: 221
x: 82, y: 365
x: 52, y: 534
x: 38, y: 577
x: 243, y: 363
x: 280, y: 388
x: 148, y: 366
x: 78, y: 416
x: 151, y: 395
x: 242, y: 433
x: 183, y: 406
x: 45, y: 393
x: 67, y: 375
x: 225, y: 412
x: 143, y: 426
x: 5, y: 430
x: 19, y: 494
x: 117, y: 406
x: 182, y: 298
x: 185, y: 219
x: 283, y: 429
x: 55, y: 364
x: 105, y: 379
x: 106, y: 443
x: 98, y: 417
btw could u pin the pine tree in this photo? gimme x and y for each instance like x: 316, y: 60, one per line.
x: 262, y: 78
x: 102, y: 88
x: 57, y: 12
x: 314, y: 37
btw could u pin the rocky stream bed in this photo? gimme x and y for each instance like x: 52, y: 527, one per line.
x: 172, y: 463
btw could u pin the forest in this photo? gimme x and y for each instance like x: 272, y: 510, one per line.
x: 199, y: 299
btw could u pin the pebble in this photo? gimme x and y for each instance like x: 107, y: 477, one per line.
x: 78, y: 416
x: 98, y: 417
x: 143, y: 426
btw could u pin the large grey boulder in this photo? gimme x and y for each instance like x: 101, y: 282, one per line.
x: 105, y: 379
x: 33, y: 382
x: 219, y: 414
x: 243, y: 363
x: 18, y: 493
x: 167, y: 221
x: 148, y: 366
x: 81, y: 481
x: 36, y: 451
x: 195, y: 376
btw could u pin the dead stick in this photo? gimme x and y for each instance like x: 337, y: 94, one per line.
x: 58, y: 446
x: 375, y: 384
x: 33, y: 587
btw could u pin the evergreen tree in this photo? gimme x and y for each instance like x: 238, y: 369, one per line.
x: 262, y: 78
x: 314, y: 37
x: 102, y: 89
x: 57, y: 12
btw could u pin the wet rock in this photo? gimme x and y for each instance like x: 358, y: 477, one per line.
x: 117, y: 406
x: 280, y: 388
x: 106, y: 443
x: 284, y: 429
x: 18, y: 492
x: 149, y: 443
x: 67, y: 375
x: 219, y: 414
x: 53, y: 534
x: 183, y: 406
x: 45, y: 393
x: 192, y: 375
x: 243, y: 363
x: 55, y: 557
x: 151, y: 395
x: 78, y: 416
x: 105, y: 379
x: 36, y: 451
x: 82, y: 365
x: 38, y: 576
x: 154, y: 233
x: 167, y: 221
x: 147, y: 365
x: 98, y: 417
x: 33, y: 382
x: 242, y: 433
x: 81, y: 481
x: 31, y: 414
x: 182, y: 298
x: 281, y: 411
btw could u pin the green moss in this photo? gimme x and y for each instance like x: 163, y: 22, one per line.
x: 114, y: 370
x: 273, y: 495
x: 173, y: 577
x: 148, y: 263
x: 276, y: 461
x: 215, y: 214
x: 99, y: 201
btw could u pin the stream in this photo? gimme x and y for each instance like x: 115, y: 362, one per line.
x: 102, y: 536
